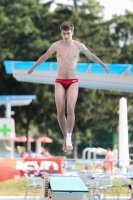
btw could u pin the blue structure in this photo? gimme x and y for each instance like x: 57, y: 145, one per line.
x: 15, y: 100
x: 116, y: 69
x: 65, y: 187
x: 91, y: 75
x: 65, y: 184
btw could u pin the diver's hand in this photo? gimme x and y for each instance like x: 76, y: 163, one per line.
x: 107, y: 69
x: 30, y: 71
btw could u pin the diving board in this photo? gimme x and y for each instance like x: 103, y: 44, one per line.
x: 66, y: 187
x: 15, y: 100
x: 91, y: 75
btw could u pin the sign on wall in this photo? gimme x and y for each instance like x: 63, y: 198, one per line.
x: 7, y: 128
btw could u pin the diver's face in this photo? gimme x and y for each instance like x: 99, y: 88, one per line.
x: 67, y: 35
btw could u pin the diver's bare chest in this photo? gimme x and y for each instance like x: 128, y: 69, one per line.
x: 68, y: 53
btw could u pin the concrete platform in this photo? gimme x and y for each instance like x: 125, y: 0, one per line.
x: 38, y: 198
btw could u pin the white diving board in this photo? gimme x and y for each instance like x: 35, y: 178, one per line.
x: 91, y: 75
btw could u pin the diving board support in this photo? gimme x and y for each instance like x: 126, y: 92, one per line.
x: 127, y: 71
x: 59, y: 187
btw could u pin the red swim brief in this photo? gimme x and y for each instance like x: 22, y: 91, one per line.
x: 66, y: 82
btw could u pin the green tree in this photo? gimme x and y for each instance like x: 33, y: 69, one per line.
x: 27, y: 30
x: 123, y: 34
x: 23, y: 37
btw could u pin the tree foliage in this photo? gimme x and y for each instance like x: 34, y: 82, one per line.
x: 26, y: 32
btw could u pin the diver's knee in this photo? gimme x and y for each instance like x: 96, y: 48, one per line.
x: 70, y: 110
x: 60, y: 112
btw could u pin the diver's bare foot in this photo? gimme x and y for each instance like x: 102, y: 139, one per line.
x: 69, y: 147
x: 64, y: 146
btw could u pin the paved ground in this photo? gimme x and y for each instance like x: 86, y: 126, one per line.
x: 13, y: 198
x: 38, y: 198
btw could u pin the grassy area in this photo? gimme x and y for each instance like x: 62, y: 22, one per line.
x: 118, y: 189
x: 17, y: 187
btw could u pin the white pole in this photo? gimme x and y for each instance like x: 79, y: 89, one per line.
x: 8, y: 110
x: 38, y: 146
x: 8, y: 115
x: 123, y: 134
